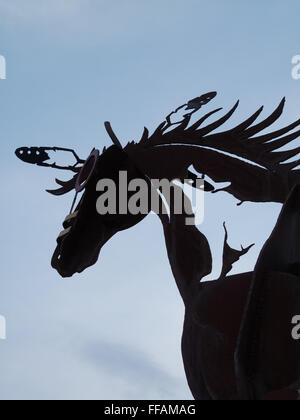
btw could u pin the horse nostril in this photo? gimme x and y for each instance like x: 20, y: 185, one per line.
x: 64, y: 232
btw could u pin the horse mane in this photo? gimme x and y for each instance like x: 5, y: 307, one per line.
x: 240, y: 141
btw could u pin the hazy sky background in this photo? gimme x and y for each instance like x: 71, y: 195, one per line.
x: 114, y: 331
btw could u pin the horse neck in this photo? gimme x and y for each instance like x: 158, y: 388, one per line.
x: 189, y: 255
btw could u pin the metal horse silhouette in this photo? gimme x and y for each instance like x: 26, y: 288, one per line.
x: 237, y: 342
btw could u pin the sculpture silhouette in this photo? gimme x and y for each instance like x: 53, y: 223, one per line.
x: 237, y: 341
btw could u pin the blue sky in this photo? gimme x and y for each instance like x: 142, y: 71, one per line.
x: 114, y: 331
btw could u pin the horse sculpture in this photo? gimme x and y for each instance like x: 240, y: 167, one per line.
x: 237, y: 342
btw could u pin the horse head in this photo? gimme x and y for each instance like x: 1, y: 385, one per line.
x: 238, y: 156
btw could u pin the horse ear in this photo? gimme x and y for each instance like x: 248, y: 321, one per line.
x: 112, y: 135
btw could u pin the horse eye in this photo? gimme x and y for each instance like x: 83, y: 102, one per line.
x: 86, y: 171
